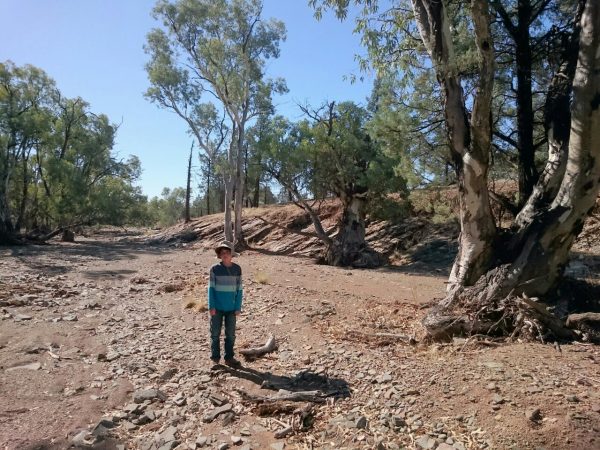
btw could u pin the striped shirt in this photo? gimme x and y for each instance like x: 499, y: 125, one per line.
x: 225, y: 288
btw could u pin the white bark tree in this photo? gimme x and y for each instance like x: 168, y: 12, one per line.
x: 221, y: 46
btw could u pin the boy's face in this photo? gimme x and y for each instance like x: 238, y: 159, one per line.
x: 225, y: 255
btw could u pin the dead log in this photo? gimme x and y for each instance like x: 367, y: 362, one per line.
x: 588, y: 323
x: 537, y: 311
x: 275, y: 408
x: 255, y: 352
x: 300, y: 396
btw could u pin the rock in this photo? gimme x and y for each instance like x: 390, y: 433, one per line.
x: 361, y: 422
x: 533, y: 414
x: 596, y: 407
x: 169, y: 434
x: 223, y: 446
x: 22, y: 317
x: 70, y: 318
x: 278, y: 446
x: 201, y: 441
x: 32, y: 366
x: 142, y: 395
x: 444, y: 446
x: 426, y: 442
x: 228, y: 418
x: 83, y: 439
x: 237, y: 440
x: 212, y: 415
x: 168, y: 374
x: 572, y: 399
x: 179, y: 399
x: 459, y: 446
x: 283, y: 432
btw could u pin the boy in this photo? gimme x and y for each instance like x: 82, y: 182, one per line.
x: 224, y: 302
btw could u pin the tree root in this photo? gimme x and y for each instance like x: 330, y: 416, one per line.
x: 475, y: 310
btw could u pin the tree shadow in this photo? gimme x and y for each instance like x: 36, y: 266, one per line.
x: 302, y: 381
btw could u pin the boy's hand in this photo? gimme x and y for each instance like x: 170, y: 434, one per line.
x: 237, y: 313
x: 212, y: 311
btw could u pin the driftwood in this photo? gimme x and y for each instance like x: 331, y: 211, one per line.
x: 255, y: 352
x: 286, y: 396
x: 588, y: 323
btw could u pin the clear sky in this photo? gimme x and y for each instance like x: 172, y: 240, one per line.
x: 94, y: 49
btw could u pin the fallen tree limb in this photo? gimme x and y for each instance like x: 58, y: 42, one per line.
x: 300, y: 396
x: 288, y: 230
x: 255, y: 352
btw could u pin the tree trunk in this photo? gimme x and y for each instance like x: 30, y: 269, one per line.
x: 525, y: 122
x: 188, y: 190
x: 469, y: 143
x: 229, y: 184
x: 348, y: 248
x: 501, y: 300
x: 239, y: 190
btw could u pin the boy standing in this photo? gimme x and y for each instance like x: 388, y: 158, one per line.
x: 224, y: 302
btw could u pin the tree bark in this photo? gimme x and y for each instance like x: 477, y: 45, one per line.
x: 229, y: 184
x: 504, y: 297
x: 348, y: 247
x: 469, y: 142
x: 188, y: 189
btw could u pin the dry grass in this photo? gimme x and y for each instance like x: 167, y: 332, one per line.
x: 261, y: 277
x: 194, y: 302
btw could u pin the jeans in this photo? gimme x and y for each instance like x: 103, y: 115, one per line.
x: 216, y: 323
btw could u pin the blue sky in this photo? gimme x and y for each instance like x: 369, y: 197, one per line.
x: 94, y: 49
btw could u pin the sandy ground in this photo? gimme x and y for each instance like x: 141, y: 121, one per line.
x: 86, y: 325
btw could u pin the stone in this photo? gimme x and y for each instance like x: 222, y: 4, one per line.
x: 70, y: 318
x: 459, y: 446
x: 201, y: 441
x: 212, y: 415
x: 533, y: 414
x: 361, y: 422
x: 426, y: 442
x: 169, y: 435
x: 237, y: 440
x: 83, y: 439
x: 444, y: 446
x: 228, y: 418
x: 168, y: 374
x: 32, y: 366
x: 223, y: 446
x: 128, y: 425
x: 596, y: 407
x: 142, y: 395
x: 572, y: 399
x: 22, y: 317
x: 278, y: 446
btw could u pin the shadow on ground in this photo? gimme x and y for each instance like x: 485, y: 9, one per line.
x: 302, y: 381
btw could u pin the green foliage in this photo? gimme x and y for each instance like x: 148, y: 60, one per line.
x: 56, y: 160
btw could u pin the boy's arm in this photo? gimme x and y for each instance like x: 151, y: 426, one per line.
x: 211, y: 290
x: 239, y: 294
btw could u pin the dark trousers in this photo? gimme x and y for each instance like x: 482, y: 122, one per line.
x: 216, y: 323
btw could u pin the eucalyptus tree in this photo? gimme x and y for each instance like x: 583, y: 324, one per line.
x: 332, y: 152
x: 219, y: 49
x: 530, y: 258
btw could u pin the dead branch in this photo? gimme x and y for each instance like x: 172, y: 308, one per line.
x: 255, y: 352
x: 300, y: 396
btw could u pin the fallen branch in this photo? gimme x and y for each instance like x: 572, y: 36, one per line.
x: 255, y: 352
x: 300, y: 396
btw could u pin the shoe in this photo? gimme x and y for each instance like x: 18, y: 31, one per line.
x: 232, y: 362
x: 215, y: 360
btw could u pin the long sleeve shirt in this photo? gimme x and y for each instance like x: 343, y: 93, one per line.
x: 225, y: 288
